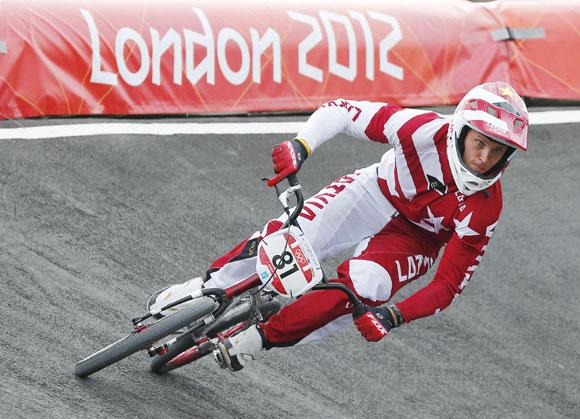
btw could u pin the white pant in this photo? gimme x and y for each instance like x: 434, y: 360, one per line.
x: 342, y: 215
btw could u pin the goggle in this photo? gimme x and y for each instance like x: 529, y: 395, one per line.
x: 504, y: 111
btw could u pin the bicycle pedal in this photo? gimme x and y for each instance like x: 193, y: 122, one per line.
x: 224, y: 360
x: 218, y: 357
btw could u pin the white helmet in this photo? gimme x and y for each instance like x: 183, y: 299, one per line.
x: 496, y: 111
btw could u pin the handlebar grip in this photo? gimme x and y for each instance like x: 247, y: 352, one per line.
x: 293, y: 179
x: 358, y: 309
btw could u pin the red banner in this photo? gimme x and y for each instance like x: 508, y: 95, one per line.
x: 544, y: 52
x: 183, y: 57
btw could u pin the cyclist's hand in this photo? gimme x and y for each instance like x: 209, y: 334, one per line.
x: 374, y: 323
x: 287, y: 157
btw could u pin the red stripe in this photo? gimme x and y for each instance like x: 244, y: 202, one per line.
x: 405, y: 135
x: 440, y: 140
x: 398, y: 188
x: 385, y: 188
x: 376, y: 128
x: 223, y: 260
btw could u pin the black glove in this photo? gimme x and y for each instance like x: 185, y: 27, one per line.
x: 374, y: 323
x: 287, y: 158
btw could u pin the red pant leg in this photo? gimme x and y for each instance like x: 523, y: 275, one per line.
x: 399, y: 254
x: 308, y: 313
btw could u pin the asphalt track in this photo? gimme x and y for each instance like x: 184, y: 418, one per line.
x: 90, y: 226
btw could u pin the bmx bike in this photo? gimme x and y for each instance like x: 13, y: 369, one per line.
x: 286, y: 265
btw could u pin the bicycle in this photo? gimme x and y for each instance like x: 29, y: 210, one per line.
x: 286, y: 265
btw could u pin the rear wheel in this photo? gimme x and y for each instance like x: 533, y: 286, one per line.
x: 187, y: 349
x: 144, y: 337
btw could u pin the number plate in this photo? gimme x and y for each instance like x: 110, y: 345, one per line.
x: 287, y: 263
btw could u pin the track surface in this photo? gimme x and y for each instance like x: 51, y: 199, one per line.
x: 90, y: 226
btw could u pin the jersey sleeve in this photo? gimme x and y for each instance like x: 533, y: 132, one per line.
x: 360, y: 119
x: 462, y: 256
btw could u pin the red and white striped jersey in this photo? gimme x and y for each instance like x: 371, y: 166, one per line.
x: 416, y: 178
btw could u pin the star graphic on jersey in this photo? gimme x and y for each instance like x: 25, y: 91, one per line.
x: 462, y: 227
x: 433, y: 224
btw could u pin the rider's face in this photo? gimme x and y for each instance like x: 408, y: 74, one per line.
x: 481, y: 152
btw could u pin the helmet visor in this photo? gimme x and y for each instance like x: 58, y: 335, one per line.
x: 505, y: 126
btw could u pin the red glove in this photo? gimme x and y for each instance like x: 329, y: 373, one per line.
x: 287, y: 158
x: 375, y: 322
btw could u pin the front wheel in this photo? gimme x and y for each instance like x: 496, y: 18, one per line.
x: 144, y: 337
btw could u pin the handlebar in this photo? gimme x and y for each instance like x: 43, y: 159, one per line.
x: 293, y: 179
x: 357, y: 306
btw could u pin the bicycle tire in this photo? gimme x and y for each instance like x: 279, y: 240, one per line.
x: 134, y: 342
x: 159, y: 363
